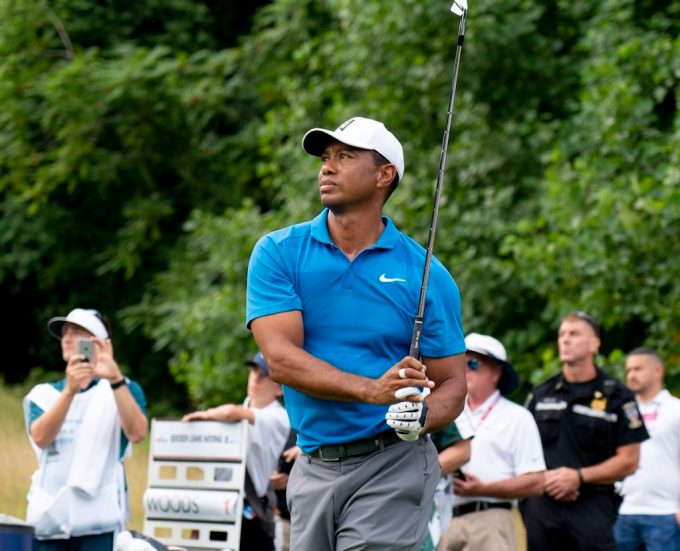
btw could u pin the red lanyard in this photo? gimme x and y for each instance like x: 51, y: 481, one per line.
x: 488, y: 411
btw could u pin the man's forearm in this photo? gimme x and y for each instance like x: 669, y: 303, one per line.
x: 281, y: 340
x: 133, y: 421
x: 454, y: 456
x: 525, y: 485
x: 292, y: 366
x: 46, y: 427
x: 445, y: 404
x: 616, y: 468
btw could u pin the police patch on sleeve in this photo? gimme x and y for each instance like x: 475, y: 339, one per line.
x: 632, y: 414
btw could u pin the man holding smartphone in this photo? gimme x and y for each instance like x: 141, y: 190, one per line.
x: 506, y: 460
x: 80, y: 428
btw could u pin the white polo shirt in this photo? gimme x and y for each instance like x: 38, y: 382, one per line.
x: 506, y: 444
x: 654, y: 489
x: 266, y: 440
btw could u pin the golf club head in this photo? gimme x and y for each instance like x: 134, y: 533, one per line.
x: 459, y: 7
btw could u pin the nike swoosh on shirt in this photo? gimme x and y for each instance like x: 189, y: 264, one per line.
x: 386, y: 279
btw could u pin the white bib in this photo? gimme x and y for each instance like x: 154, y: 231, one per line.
x: 79, y: 487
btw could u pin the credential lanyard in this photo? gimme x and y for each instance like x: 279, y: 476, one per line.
x: 488, y: 411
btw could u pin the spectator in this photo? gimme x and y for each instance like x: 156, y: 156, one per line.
x: 268, y: 433
x: 650, y: 512
x: 80, y: 428
x: 591, y: 431
x: 332, y: 303
x: 506, y: 460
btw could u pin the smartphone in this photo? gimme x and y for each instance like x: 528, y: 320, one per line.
x: 86, y: 348
x: 459, y: 474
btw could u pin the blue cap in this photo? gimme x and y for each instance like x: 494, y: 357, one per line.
x: 258, y: 361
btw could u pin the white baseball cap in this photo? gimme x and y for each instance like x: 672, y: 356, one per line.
x: 87, y: 319
x: 494, y: 349
x: 358, y: 132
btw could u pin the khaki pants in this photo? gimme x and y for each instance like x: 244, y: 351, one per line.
x: 491, y: 530
x: 286, y: 535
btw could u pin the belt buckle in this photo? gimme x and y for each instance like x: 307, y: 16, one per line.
x: 320, y: 452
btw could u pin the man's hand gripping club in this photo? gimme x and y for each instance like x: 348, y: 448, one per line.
x: 408, y: 417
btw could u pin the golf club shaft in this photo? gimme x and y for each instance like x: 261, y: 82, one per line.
x: 418, y: 323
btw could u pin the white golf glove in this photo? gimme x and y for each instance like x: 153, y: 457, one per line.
x: 407, y: 418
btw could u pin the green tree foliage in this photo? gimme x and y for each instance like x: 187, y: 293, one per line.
x: 105, y: 154
x: 150, y: 159
x: 195, y: 308
x: 606, y: 235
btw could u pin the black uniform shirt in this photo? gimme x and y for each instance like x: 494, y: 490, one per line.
x: 582, y: 424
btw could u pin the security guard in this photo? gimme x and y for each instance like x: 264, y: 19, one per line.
x: 591, y: 431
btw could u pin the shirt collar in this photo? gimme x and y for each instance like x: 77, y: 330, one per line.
x: 320, y: 228
x: 661, y: 397
x: 495, y: 395
x: 387, y: 240
x: 561, y: 381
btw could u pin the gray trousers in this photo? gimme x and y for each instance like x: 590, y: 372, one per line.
x: 380, y: 501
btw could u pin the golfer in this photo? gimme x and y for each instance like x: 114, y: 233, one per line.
x: 331, y: 303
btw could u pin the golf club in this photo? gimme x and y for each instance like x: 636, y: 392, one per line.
x: 459, y: 8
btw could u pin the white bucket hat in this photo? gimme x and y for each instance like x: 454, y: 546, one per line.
x: 494, y: 349
x: 358, y: 132
x: 87, y: 319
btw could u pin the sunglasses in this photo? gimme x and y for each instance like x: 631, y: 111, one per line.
x: 473, y: 364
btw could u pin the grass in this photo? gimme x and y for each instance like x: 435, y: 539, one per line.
x: 18, y: 462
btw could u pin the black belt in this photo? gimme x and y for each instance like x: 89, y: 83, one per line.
x: 479, y: 506
x: 336, y: 452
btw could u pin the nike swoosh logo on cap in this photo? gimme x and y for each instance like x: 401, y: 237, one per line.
x: 386, y: 279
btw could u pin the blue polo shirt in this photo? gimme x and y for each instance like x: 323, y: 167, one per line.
x: 358, y: 315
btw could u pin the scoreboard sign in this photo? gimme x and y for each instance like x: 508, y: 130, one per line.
x: 202, y: 440
x: 195, y: 491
